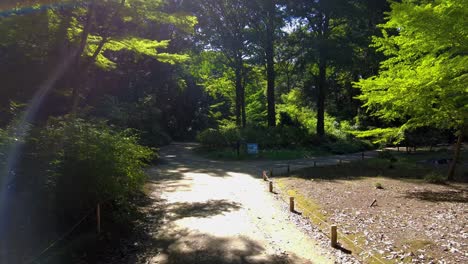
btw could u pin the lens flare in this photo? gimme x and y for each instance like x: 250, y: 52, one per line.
x: 21, y: 131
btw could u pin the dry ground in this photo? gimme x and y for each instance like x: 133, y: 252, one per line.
x: 410, y: 222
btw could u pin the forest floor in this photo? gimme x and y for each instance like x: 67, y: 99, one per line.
x: 411, y: 221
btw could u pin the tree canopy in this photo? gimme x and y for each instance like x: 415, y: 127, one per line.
x: 423, y: 80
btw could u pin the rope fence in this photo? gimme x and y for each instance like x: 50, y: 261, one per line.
x: 70, y: 230
x: 334, y: 232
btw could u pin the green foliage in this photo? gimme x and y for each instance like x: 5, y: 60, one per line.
x: 383, y: 136
x: 212, y: 138
x: 378, y: 185
x: 92, y: 162
x: 143, y: 115
x: 342, y: 146
x: 435, y: 177
x: 266, y: 137
x: 387, y: 155
x: 4, y: 140
x: 423, y: 80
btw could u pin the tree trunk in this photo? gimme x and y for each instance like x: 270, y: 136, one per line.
x: 82, y: 67
x: 322, y: 78
x: 270, y: 54
x: 244, y: 116
x: 238, y: 84
x: 78, y: 65
x: 456, y: 156
x: 321, y: 97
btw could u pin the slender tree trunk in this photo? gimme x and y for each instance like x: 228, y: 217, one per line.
x: 456, y: 156
x: 321, y: 97
x: 270, y: 54
x: 322, y: 78
x: 238, y: 84
x: 244, y: 116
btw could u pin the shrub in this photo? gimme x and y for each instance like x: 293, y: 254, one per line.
x: 435, y: 177
x: 386, y: 155
x: 231, y: 134
x: 92, y: 162
x: 347, y: 146
x: 4, y: 139
x: 378, y: 185
x: 212, y: 138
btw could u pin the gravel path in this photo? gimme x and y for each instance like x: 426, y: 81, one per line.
x: 221, y: 212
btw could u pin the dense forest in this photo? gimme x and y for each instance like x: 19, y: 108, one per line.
x: 90, y: 89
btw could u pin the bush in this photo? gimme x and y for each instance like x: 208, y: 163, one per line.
x: 435, y: 177
x: 272, y: 137
x: 386, y: 155
x: 92, y: 162
x: 4, y: 139
x: 347, y: 146
x: 212, y: 138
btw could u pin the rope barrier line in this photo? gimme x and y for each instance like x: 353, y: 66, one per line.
x: 35, y: 259
x: 281, y: 194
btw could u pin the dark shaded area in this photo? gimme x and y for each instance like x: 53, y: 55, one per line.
x: 451, y: 196
x: 342, y: 249
x: 171, y: 245
x: 206, y: 209
x: 348, y: 167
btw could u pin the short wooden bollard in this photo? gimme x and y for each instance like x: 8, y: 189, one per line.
x: 271, y: 186
x: 362, y: 155
x: 98, y: 218
x: 264, y: 175
x: 289, y: 169
x: 315, y: 163
x: 333, y: 236
x: 340, y: 162
x: 291, y: 204
x: 271, y: 173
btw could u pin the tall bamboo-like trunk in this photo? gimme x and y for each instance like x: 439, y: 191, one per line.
x: 456, y: 156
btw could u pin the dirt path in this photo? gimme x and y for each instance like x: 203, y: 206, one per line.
x: 221, y: 212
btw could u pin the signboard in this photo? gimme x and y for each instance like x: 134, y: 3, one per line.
x: 252, y: 148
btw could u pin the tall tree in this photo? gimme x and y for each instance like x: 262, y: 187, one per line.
x: 323, y: 26
x: 266, y: 21
x: 103, y: 28
x: 222, y: 26
x: 423, y: 80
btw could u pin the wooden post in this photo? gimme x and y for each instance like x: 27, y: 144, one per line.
x: 98, y: 217
x: 264, y: 175
x: 315, y: 163
x: 333, y: 236
x: 271, y: 186
x: 340, y: 161
x: 271, y: 173
x: 289, y: 169
x: 291, y: 204
x: 398, y: 148
x: 363, y: 155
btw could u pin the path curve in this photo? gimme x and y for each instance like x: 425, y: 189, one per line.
x: 221, y: 212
